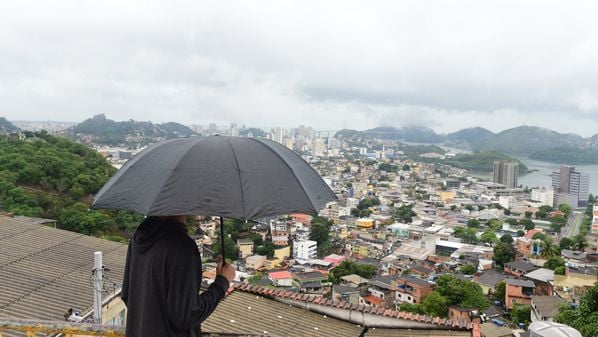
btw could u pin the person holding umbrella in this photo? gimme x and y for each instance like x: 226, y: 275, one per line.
x: 162, y: 281
x: 232, y: 177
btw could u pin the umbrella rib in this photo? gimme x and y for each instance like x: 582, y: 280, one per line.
x: 292, y: 170
x: 240, y: 182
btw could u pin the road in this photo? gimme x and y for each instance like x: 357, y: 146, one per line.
x: 573, y: 225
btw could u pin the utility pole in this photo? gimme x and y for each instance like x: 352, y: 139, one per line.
x: 98, y: 285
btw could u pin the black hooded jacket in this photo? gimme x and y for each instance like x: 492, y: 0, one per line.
x: 162, y: 281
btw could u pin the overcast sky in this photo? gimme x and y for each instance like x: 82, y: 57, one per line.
x: 328, y: 64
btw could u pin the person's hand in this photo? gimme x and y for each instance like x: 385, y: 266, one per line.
x: 225, y: 269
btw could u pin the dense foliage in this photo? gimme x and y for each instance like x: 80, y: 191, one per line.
x: 131, y: 133
x: 320, y: 232
x: 462, y: 293
x: 569, y: 155
x: 585, y: 317
x: 503, y: 253
x: 349, y: 267
x: 481, y: 161
x: 55, y: 178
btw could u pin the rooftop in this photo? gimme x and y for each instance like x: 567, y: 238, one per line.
x: 520, y: 283
x: 546, y: 306
x: 44, y: 271
x: 521, y: 266
x: 542, y: 274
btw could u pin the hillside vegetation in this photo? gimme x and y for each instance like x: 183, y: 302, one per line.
x: 104, y: 131
x: 53, y: 177
x: 481, y: 161
x: 7, y: 127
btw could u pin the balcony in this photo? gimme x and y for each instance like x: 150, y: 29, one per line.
x: 9, y: 326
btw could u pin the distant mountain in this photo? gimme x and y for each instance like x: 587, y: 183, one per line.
x: 103, y: 131
x: 416, y: 134
x: 7, y: 127
x: 470, y: 135
x: 525, y: 140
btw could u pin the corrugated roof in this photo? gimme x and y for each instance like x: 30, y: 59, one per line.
x: 242, y: 312
x: 45, y: 271
x: 521, y: 283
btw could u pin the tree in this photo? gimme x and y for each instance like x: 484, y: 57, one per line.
x: 414, y: 308
x: 404, y: 213
x: 548, y: 248
x: 507, y: 238
x: 565, y: 209
x: 406, y: 168
x: 520, y: 233
x: 503, y: 253
x: 473, y: 223
x: 349, y: 267
x: 461, y: 293
x: 565, y: 243
x: 560, y: 270
x: 541, y: 215
x: 554, y: 262
x: 579, y: 242
x: 528, y: 214
x: 489, y: 236
x: 527, y: 223
x: 500, y: 290
x: 435, y: 305
x: 468, y: 269
x: 584, y: 318
x: 521, y: 313
x: 557, y: 223
x: 468, y: 235
x: 539, y: 236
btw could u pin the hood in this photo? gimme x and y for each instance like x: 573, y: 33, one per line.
x: 151, y: 230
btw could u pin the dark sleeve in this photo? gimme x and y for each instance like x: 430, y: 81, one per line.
x: 124, y: 293
x: 186, y: 308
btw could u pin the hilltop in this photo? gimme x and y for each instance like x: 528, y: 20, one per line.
x: 7, y: 127
x: 530, y: 141
x: 103, y: 131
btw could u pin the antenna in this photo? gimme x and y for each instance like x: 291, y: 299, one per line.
x: 98, y: 272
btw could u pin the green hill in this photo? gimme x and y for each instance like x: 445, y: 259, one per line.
x: 103, y: 131
x: 470, y: 135
x: 481, y: 161
x: 525, y: 140
x: 7, y: 127
x: 53, y: 177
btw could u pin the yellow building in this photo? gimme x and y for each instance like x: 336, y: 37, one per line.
x: 361, y: 250
x: 282, y: 253
x: 272, y: 263
x: 245, y: 247
x: 447, y: 195
x: 364, y: 223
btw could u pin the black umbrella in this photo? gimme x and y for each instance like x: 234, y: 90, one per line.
x: 233, y: 177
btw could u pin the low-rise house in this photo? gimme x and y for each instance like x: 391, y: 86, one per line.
x: 384, y: 287
x: 411, y: 289
x: 518, y: 268
x: 518, y: 292
x: 255, y: 262
x: 245, y: 247
x: 544, y: 308
x: 281, y: 278
x: 347, y: 294
x: 488, y: 279
x: 310, y: 282
x: 354, y: 280
x: 543, y: 279
x: 574, y: 256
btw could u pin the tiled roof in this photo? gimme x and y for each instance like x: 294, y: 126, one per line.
x: 521, y: 283
x: 279, y: 275
x: 281, y: 294
x: 373, y: 299
x: 383, y: 332
x: 521, y: 265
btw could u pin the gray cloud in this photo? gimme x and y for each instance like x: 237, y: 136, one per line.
x: 328, y: 64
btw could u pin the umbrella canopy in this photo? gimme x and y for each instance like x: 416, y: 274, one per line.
x: 233, y: 177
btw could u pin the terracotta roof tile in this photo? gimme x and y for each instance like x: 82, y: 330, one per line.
x: 284, y: 294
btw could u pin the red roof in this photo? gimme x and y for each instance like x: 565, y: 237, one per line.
x: 531, y: 232
x: 373, y: 299
x: 279, y: 275
x: 301, y: 216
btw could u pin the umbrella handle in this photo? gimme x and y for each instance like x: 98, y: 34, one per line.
x: 222, y: 239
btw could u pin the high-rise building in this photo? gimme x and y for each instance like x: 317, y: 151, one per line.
x: 505, y: 173
x: 543, y: 195
x: 571, y: 187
